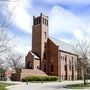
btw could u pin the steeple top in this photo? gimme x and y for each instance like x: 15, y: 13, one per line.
x: 42, y: 19
x: 41, y: 15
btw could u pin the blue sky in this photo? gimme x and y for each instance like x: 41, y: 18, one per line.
x: 68, y: 20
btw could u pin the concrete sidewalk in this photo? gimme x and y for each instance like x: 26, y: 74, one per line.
x: 44, y: 86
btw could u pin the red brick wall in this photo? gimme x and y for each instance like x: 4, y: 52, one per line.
x: 36, y: 64
x: 36, y: 39
x: 25, y: 73
x: 52, y: 57
x: 71, y: 73
x: 39, y: 39
x: 29, y: 58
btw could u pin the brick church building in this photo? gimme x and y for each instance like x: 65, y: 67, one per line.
x: 50, y: 55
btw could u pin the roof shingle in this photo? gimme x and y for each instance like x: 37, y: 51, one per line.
x: 63, y: 45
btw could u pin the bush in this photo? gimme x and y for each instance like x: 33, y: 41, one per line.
x: 40, y: 78
x: 53, y: 78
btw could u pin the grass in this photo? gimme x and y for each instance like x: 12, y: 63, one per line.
x: 78, y: 86
x: 3, y: 85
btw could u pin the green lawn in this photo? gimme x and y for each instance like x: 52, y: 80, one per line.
x: 3, y: 85
x: 78, y: 86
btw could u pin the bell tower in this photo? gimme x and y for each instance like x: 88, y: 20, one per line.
x: 39, y: 37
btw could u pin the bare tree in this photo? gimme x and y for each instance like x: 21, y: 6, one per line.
x: 5, y: 20
x: 14, y: 60
x: 83, y: 51
x: 5, y: 41
x: 5, y: 45
x: 6, y: 13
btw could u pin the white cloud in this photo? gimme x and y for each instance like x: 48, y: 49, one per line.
x: 78, y: 34
x: 22, y: 49
x: 22, y: 45
x: 61, y: 20
x: 21, y: 17
x: 69, y: 2
x: 88, y: 28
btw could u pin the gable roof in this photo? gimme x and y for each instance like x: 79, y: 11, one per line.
x: 63, y: 46
x: 36, y: 57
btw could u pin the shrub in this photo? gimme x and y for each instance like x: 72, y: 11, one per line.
x: 53, y: 78
x: 40, y: 78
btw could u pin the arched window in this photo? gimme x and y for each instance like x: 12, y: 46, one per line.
x: 65, y: 67
x: 36, y: 21
x: 47, y: 22
x: 30, y: 66
x: 45, y: 34
x: 52, y: 68
x: 65, y: 58
x: 70, y: 65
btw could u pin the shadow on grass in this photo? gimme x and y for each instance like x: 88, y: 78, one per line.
x: 78, y: 86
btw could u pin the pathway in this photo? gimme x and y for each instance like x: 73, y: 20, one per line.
x: 44, y: 86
